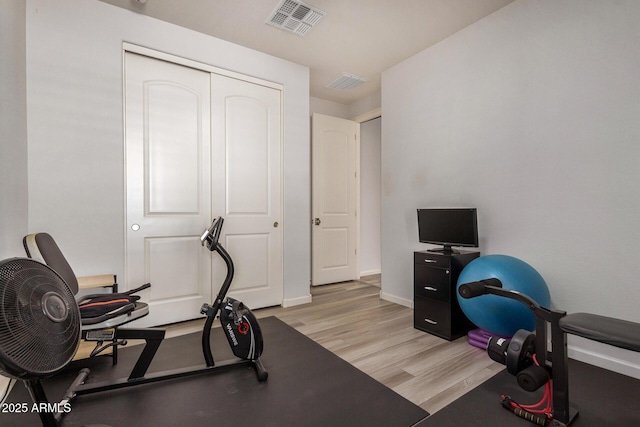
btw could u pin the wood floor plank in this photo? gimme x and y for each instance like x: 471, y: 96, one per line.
x: 460, y: 388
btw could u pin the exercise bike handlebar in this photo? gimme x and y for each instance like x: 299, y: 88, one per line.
x: 211, y: 235
x: 210, y: 239
x: 475, y: 289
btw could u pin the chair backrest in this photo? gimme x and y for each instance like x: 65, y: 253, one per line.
x: 42, y: 247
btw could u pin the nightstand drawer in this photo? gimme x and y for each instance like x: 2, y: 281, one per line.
x: 432, y: 283
x: 432, y: 316
x: 431, y: 259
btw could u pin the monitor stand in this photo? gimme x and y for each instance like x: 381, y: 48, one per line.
x: 446, y: 249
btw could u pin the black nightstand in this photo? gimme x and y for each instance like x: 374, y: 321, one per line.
x: 435, y: 303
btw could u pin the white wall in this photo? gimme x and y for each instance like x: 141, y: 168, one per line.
x: 531, y: 115
x: 13, y: 129
x: 352, y: 111
x: 370, y: 140
x: 329, y: 108
x: 75, y: 111
x: 365, y: 106
x: 13, y: 133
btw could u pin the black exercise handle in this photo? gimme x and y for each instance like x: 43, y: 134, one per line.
x: 510, y: 405
x: 138, y: 289
x: 475, y: 289
x: 211, y: 236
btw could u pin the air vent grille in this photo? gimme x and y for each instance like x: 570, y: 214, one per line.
x: 300, y: 12
x: 288, y: 6
x: 295, y: 16
x: 345, y: 82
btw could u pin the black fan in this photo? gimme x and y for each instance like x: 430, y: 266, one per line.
x: 39, y: 326
x: 39, y: 320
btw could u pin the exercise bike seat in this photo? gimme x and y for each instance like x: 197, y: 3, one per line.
x: 607, y: 330
x: 43, y: 248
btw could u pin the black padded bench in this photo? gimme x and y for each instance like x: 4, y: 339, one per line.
x: 607, y: 330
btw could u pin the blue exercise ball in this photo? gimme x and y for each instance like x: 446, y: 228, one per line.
x: 499, y: 315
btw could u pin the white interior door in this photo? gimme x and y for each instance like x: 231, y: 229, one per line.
x: 334, y: 152
x: 247, y: 134
x: 168, y: 164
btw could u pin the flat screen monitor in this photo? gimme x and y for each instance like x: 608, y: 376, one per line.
x: 448, y: 227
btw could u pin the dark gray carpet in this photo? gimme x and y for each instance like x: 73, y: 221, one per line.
x: 603, y: 398
x: 307, y: 386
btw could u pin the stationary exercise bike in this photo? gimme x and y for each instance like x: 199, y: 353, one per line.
x: 528, y: 356
x: 40, y: 332
x: 238, y: 322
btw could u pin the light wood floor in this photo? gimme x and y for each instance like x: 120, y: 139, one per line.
x: 378, y: 337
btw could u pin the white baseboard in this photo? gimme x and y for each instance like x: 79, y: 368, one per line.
x: 370, y: 272
x: 624, y: 362
x: 290, y: 302
x: 601, y: 359
x: 397, y: 300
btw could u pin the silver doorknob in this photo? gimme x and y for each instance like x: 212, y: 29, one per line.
x: 317, y: 221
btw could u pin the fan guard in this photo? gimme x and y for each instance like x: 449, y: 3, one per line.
x: 40, y: 325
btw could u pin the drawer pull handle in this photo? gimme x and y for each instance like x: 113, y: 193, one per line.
x: 429, y: 288
x: 431, y: 261
x: 433, y: 322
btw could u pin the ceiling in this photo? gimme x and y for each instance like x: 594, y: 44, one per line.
x: 359, y: 37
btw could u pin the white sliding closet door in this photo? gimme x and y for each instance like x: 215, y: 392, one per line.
x: 168, y: 165
x: 247, y: 133
x: 199, y: 145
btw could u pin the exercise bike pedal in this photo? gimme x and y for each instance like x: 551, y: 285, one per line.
x: 205, y: 308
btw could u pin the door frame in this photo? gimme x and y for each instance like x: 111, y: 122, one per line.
x: 364, y: 117
x: 163, y: 56
x: 141, y: 50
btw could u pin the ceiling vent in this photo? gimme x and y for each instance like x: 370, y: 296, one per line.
x: 295, y: 16
x: 345, y: 82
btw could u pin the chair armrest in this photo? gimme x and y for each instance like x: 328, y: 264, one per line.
x: 101, y: 281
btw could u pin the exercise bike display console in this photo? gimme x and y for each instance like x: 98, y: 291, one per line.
x: 60, y: 320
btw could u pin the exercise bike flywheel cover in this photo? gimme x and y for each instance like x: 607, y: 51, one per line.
x: 40, y: 325
x: 520, y: 351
